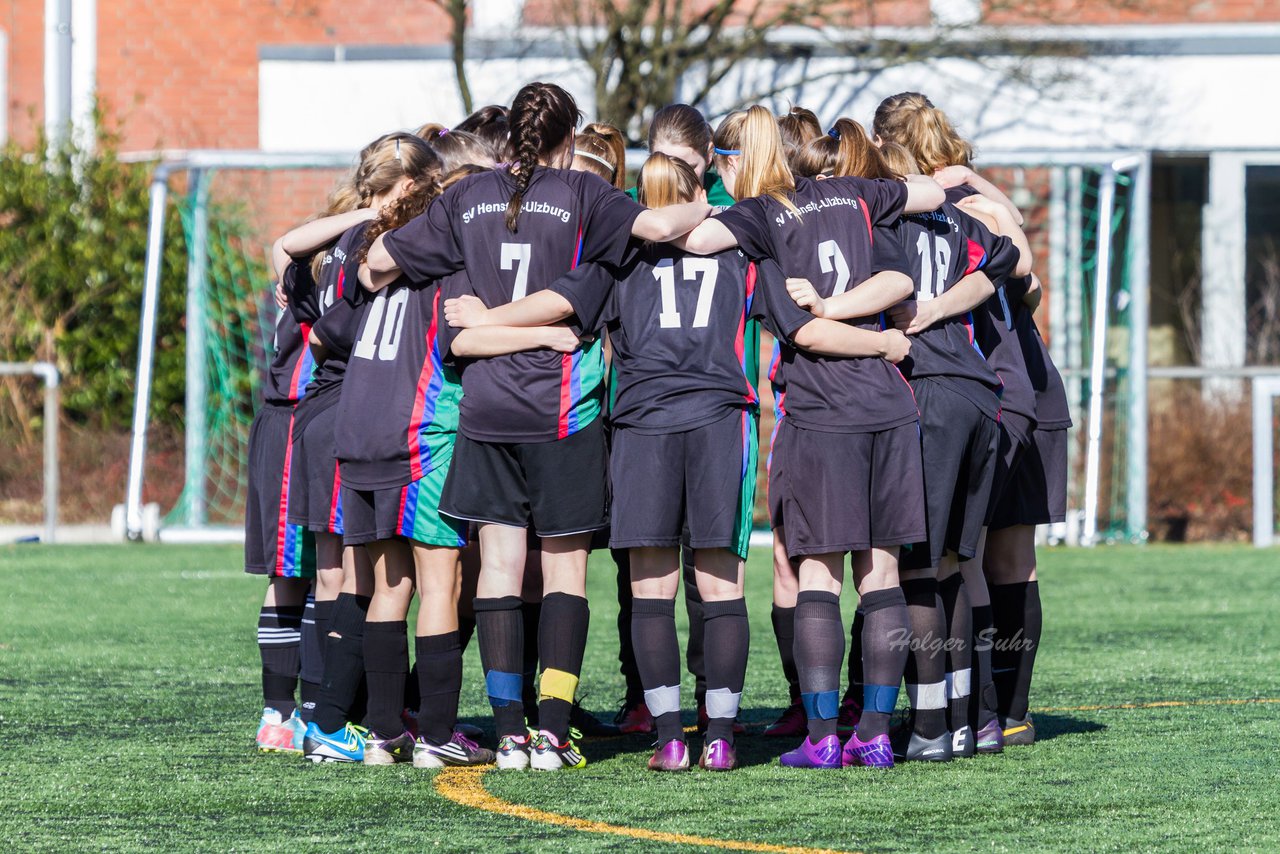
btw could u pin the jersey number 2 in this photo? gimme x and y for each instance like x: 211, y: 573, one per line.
x: 665, y: 273
x: 382, y: 325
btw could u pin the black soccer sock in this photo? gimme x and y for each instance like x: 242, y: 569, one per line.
x: 562, y: 640
x: 927, y: 664
x: 728, y: 638
x: 311, y: 660
x: 626, y: 652
x: 819, y: 651
x: 955, y: 604
x: 1016, y: 609
x: 653, y: 636
x: 983, y: 699
x: 386, y: 666
x: 784, y: 632
x: 466, y: 628
x: 344, y: 663
x: 853, y: 693
x: 279, y: 643
x: 695, y: 652
x: 885, y: 638
x: 412, y: 696
x: 439, y: 665
x: 500, y: 630
x: 531, y: 613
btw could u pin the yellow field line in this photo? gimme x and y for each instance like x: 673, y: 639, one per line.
x: 465, y: 786
x: 1164, y: 704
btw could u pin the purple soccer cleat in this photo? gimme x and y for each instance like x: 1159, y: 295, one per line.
x: 876, y: 753
x: 719, y: 755
x: 824, y: 754
x: 989, y: 739
x: 672, y: 756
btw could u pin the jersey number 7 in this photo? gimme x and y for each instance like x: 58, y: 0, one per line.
x: 515, y: 256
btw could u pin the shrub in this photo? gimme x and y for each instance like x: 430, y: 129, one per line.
x: 73, y: 235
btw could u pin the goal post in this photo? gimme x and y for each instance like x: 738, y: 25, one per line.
x: 200, y: 166
x: 1265, y: 391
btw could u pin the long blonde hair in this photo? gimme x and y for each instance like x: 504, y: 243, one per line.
x: 601, y: 150
x: 897, y: 158
x: 665, y: 180
x: 798, y: 127
x: 762, y: 164
x: 911, y: 120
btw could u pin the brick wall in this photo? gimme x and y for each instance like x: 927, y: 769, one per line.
x: 184, y: 74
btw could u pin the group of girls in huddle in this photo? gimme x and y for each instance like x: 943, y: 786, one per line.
x: 440, y: 382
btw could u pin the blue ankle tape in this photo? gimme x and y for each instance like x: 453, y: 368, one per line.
x: 503, y: 688
x: 821, y: 705
x: 879, y: 698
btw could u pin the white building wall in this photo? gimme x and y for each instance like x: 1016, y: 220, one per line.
x: 1167, y: 103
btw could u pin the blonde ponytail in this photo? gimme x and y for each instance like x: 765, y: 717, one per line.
x: 762, y: 163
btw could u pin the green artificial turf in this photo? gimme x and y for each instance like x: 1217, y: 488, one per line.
x: 129, y: 695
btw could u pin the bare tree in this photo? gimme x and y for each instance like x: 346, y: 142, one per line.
x: 457, y: 12
x: 643, y: 51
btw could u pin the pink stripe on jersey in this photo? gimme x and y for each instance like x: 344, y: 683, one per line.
x: 977, y: 258
x: 426, y: 394
x: 567, y: 401
x: 739, y: 341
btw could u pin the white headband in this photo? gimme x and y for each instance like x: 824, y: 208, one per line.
x: 605, y: 163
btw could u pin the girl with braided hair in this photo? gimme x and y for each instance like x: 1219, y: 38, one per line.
x: 531, y: 440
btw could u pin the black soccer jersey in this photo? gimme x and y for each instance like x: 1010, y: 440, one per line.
x: 333, y: 293
x: 1053, y: 411
x: 995, y: 336
x: 832, y: 243
x: 677, y: 324
x: 942, y: 247
x: 287, y: 376
x: 567, y: 218
x: 399, y: 407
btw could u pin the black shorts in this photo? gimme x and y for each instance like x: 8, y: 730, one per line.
x: 959, y: 444
x: 702, y: 481
x: 272, y: 546
x: 557, y: 488
x: 843, y: 492
x: 1015, y: 435
x: 1037, y: 492
x: 315, y: 501
x: 411, y: 511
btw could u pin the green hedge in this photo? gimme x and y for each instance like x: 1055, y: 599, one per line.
x: 73, y: 234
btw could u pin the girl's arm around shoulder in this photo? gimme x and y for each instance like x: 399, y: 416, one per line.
x: 312, y: 236
x: 832, y: 338
x: 482, y: 342
x: 661, y: 225
x: 923, y: 194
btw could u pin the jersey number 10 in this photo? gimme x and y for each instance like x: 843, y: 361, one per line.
x: 382, y: 325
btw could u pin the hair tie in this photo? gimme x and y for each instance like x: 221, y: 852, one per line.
x: 727, y: 152
x: 605, y: 163
x: 834, y: 133
x: 442, y: 132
